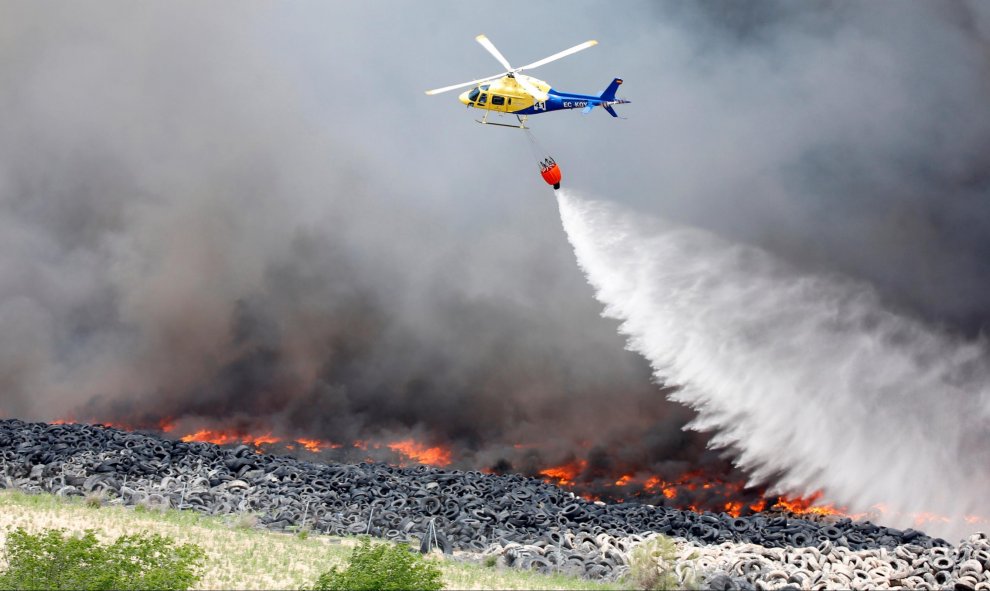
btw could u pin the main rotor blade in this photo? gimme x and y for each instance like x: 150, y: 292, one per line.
x: 463, y: 84
x: 495, y: 52
x: 531, y: 88
x: 559, y: 55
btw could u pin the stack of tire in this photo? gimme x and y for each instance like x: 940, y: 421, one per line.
x: 526, y: 522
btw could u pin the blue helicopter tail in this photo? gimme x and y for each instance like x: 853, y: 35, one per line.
x: 608, y: 97
x: 609, y: 94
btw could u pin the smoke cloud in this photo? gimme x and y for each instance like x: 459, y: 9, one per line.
x: 185, y: 239
x: 250, y: 214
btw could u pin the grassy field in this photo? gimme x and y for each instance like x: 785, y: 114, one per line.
x: 240, y: 556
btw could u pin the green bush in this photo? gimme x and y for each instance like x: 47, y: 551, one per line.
x: 384, y: 567
x: 651, y: 566
x: 54, y: 560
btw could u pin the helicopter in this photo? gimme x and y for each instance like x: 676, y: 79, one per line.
x: 514, y: 93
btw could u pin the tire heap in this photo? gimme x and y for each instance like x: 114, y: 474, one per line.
x: 826, y: 566
x: 525, y: 522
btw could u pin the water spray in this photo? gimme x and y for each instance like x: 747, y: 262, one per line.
x: 810, y: 381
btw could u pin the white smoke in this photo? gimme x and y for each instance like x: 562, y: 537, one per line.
x: 809, y: 380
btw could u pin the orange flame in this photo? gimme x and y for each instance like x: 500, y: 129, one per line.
x: 210, y: 436
x: 266, y: 439
x: 925, y: 518
x: 316, y: 445
x: 431, y: 456
x: 564, y: 475
x: 808, y: 505
x: 624, y: 480
x: 655, y: 484
x: 227, y: 437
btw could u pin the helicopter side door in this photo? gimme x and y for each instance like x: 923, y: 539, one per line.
x: 499, y: 102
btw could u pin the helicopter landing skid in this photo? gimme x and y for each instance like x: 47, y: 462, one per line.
x: 522, y: 122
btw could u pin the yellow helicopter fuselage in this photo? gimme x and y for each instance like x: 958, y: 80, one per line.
x: 505, y: 95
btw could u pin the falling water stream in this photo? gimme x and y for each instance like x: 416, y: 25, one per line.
x: 808, y: 380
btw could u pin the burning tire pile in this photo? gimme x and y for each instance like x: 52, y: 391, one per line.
x: 525, y: 522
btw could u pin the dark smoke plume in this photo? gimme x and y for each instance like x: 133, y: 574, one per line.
x: 183, y: 242
x: 250, y: 216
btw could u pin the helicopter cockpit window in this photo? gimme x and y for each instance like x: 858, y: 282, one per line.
x: 483, y: 98
x: 474, y: 95
x: 498, y: 100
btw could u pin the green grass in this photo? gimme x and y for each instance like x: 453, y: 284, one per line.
x: 241, y: 557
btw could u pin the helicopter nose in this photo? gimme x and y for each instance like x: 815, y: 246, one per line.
x: 464, y: 98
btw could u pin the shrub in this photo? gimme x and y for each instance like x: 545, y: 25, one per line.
x: 651, y: 566
x: 54, y: 560
x: 382, y: 566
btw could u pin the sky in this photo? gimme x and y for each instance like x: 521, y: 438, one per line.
x: 252, y: 211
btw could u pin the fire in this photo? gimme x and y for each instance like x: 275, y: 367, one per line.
x: 432, y: 456
x: 693, y: 490
x: 316, y: 445
x: 807, y: 505
x: 624, y: 480
x: 228, y: 437
x: 734, y: 508
x: 564, y: 475
x: 696, y: 491
x: 210, y: 436
x: 655, y: 484
x: 266, y: 439
x: 924, y: 518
